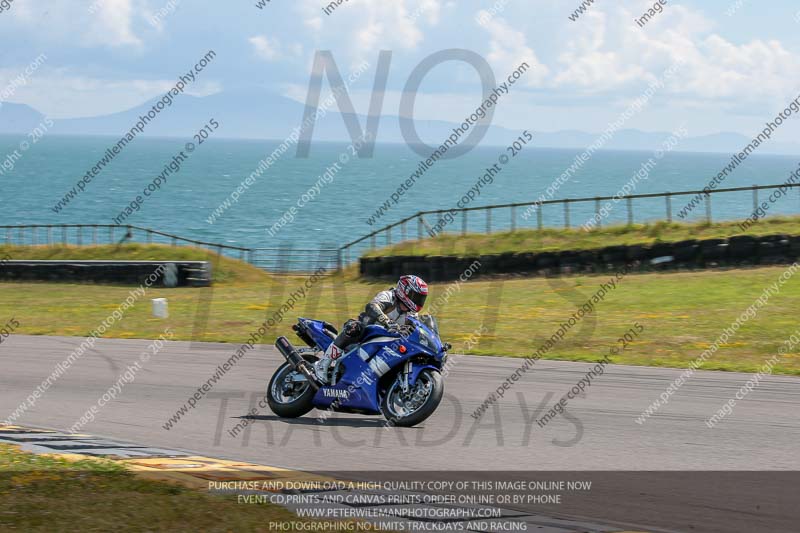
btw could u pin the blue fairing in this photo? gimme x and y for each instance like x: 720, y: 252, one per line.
x: 379, y: 354
x: 412, y: 378
x: 316, y: 330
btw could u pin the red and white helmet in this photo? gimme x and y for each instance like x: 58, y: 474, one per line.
x: 412, y: 292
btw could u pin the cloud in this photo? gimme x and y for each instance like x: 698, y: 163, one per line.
x: 112, y: 24
x: 755, y: 70
x: 272, y: 50
x: 588, y: 63
x: 264, y: 47
x: 508, y: 48
x: 103, y: 23
x: 611, y: 54
x: 362, y: 26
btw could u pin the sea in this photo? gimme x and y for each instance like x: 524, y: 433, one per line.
x: 328, y: 198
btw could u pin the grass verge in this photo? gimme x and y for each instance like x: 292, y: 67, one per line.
x: 682, y: 313
x: 550, y: 240
x: 50, y: 493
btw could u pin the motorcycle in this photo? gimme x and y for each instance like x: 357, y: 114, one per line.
x: 397, y: 375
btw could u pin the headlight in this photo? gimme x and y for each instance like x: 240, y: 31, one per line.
x: 425, y: 339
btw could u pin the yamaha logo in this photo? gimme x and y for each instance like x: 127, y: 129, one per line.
x: 335, y: 393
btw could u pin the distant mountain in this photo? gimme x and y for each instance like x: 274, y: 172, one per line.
x: 18, y: 118
x: 188, y: 114
x: 253, y: 114
x: 258, y: 114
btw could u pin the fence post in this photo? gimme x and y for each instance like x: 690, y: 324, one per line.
x: 49, y: 235
x: 403, y: 234
x: 150, y: 240
x: 755, y: 198
x: 94, y: 234
x: 708, y: 208
x: 419, y: 227
x: 513, y: 218
x: 8, y: 235
x: 464, y: 222
x: 339, y: 260
x: 539, y: 216
x: 372, y: 242
x: 668, y: 199
x: 80, y: 235
x: 489, y: 220
x: 566, y: 214
x: 630, y: 210
x: 388, y: 235
x: 597, y: 213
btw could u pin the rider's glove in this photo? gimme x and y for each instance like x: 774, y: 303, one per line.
x: 352, y: 328
x: 393, y: 327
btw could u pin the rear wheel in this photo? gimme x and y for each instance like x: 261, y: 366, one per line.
x: 288, y: 396
x: 410, y: 408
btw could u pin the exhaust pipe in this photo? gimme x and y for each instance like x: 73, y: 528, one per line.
x: 296, y: 360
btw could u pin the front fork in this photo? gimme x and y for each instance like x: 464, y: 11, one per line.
x: 405, y: 375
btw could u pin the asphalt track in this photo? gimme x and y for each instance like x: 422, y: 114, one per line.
x: 599, y: 433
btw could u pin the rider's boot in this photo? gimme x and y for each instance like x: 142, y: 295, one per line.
x: 322, y: 366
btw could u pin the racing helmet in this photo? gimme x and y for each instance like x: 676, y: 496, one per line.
x: 412, y: 291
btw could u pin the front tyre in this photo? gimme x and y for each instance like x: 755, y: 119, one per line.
x: 288, y: 397
x: 406, y: 409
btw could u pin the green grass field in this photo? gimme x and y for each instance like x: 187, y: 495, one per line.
x: 47, y: 493
x: 549, y: 240
x: 682, y: 313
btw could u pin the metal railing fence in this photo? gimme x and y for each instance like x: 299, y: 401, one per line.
x: 421, y: 224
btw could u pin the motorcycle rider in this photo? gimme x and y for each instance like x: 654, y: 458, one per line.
x: 388, y: 308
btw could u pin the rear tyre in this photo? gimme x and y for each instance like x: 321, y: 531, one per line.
x: 288, y: 398
x: 412, y: 408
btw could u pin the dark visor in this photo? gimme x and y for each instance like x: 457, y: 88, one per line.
x: 418, y: 299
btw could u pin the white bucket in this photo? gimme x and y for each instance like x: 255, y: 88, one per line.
x: 160, y: 309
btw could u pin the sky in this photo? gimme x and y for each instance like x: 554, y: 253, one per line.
x: 740, y: 59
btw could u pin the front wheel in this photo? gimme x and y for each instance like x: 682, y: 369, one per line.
x: 406, y: 409
x: 288, y: 396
